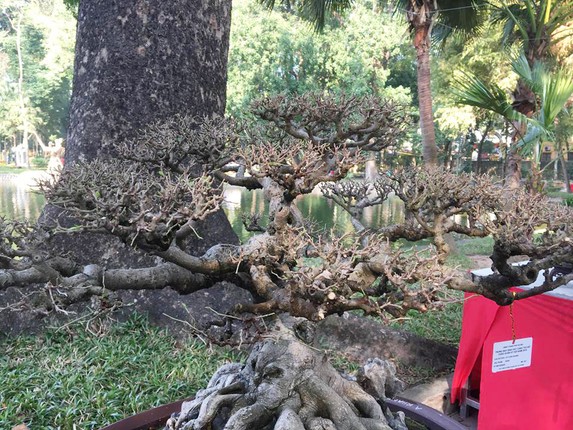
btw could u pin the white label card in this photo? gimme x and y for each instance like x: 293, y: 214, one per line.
x: 511, y: 355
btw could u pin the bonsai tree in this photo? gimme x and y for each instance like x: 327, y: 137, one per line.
x: 164, y: 182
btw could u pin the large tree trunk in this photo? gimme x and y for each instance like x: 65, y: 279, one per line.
x: 139, y: 62
x: 142, y: 61
x: 422, y: 45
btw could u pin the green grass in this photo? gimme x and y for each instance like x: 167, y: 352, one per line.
x: 459, y: 257
x: 444, y: 325
x: 70, y: 377
x: 559, y: 194
x: 460, y: 261
x: 475, y: 246
x: 14, y: 170
x: 11, y: 170
x: 440, y: 325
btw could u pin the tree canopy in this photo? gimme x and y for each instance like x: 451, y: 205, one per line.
x: 280, y: 53
x: 45, y: 52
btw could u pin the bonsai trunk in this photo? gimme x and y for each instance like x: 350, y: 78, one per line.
x: 285, y: 385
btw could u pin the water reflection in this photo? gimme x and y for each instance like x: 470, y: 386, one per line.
x: 18, y: 200
x: 324, y: 213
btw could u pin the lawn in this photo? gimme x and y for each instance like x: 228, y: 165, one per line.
x: 4, y: 169
x: 72, y: 378
x: 78, y: 378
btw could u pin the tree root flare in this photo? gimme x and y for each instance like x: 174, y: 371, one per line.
x: 285, y: 385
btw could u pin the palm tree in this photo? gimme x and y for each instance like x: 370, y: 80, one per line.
x: 422, y: 16
x: 550, y: 92
x: 563, y: 131
x: 460, y: 16
x: 535, y: 26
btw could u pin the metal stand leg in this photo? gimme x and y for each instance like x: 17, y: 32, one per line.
x: 467, y: 401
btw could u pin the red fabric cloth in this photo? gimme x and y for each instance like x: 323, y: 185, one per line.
x: 538, y: 397
x: 478, y: 316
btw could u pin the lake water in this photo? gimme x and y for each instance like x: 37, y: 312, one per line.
x: 18, y: 200
x: 324, y: 213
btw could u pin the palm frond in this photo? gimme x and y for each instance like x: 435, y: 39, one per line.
x: 557, y: 89
x: 553, y: 88
x: 465, y: 18
x: 317, y: 11
x: 513, y: 18
x: 530, y: 76
x: 472, y: 91
x: 535, y: 133
x: 269, y: 4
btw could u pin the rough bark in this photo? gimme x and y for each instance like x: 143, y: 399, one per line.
x: 285, y: 385
x: 143, y: 61
x: 488, y: 127
x: 423, y: 25
x: 564, y: 172
x: 513, y: 169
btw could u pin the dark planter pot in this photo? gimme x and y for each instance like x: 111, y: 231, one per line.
x: 151, y: 419
x: 431, y: 418
x: 156, y: 417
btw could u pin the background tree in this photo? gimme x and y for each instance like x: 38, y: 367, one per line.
x: 479, y: 56
x: 176, y: 55
x: 145, y: 62
x: 534, y: 26
x: 563, y: 133
x: 37, y: 68
x: 278, y: 53
x: 550, y: 91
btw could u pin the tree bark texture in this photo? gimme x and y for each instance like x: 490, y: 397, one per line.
x: 139, y: 61
x: 285, y: 385
x: 422, y: 45
x: 142, y: 61
x: 566, y: 178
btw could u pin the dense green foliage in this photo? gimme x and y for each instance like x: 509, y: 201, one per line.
x: 46, y: 51
x: 361, y: 53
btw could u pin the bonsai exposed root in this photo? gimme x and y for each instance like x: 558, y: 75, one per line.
x: 285, y: 385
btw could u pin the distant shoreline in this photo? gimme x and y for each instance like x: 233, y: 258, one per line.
x: 26, y: 177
